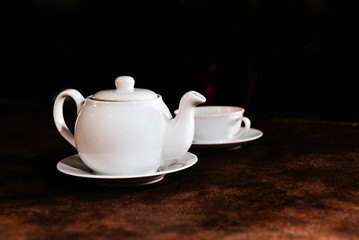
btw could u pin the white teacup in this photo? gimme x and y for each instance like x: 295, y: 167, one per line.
x: 219, y: 123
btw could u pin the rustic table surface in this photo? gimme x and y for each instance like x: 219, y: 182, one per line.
x: 300, y: 180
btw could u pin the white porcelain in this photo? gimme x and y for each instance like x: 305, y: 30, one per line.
x: 220, y: 123
x: 127, y: 131
x: 251, y: 135
x: 125, y: 91
x: 74, y: 166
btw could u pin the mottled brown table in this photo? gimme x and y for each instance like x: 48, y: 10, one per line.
x: 300, y: 180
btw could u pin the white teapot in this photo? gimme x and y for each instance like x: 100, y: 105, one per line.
x: 127, y: 131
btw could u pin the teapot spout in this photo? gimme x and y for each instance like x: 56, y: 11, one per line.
x: 180, y: 132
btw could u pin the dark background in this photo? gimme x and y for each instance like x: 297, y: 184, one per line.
x: 275, y: 58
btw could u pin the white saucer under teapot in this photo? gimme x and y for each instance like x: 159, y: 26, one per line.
x: 127, y: 130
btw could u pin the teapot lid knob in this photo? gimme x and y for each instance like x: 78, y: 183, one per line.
x: 125, y: 84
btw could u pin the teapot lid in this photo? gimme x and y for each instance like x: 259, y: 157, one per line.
x: 125, y: 92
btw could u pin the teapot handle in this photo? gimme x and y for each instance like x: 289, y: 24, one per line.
x: 59, y: 116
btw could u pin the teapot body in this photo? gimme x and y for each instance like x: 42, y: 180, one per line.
x: 121, y: 138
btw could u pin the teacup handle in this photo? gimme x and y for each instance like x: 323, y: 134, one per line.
x: 59, y: 116
x: 247, y: 125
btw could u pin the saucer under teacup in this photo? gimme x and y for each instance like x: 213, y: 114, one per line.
x: 229, y: 144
